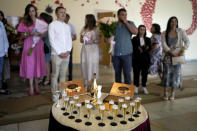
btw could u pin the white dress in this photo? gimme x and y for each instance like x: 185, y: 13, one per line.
x: 90, y: 54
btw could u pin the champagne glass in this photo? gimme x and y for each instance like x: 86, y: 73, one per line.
x: 111, y: 102
x: 115, y: 109
x: 57, y: 98
x: 127, y: 99
x: 136, y: 107
x: 63, y: 96
x: 87, y: 101
x: 132, y: 106
x: 89, y: 107
x: 120, y: 101
x: 78, y: 105
x: 99, y: 102
x: 124, y: 106
x: 139, y: 104
x: 71, y: 106
x: 102, y: 110
x: 66, y: 102
x: 71, y: 110
x: 76, y: 98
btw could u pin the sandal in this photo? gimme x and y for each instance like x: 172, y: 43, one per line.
x: 37, y: 91
x: 165, y: 98
x: 172, y: 98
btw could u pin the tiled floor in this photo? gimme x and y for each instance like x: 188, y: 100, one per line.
x: 180, y: 115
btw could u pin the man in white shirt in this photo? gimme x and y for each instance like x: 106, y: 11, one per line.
x: 61, y: 45
x: 74, y: 37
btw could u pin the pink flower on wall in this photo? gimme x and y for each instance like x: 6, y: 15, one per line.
x: 33, y: 2
x: 89, y: 2
x: 122, y: 3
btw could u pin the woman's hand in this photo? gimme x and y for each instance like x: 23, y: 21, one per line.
x: 140, y: 49
x: 173, y: 54
x: 154, y: 47
x: 64, y: 55
x: 81, y: 39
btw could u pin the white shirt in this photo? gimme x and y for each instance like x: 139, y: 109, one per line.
x: 59, y: 37
x: 142, y: 43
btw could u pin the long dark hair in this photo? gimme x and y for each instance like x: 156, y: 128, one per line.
x: 3, y: 20
x: 169, y: 28
x: 91, y: 22
x: 47, y: 18
x: 157, y: 28
x: 27, y: 18
x: 140, y: 26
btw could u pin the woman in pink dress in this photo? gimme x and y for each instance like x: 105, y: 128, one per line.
x: 33, y: 65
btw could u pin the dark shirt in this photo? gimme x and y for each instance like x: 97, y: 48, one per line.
x: 141, y: 57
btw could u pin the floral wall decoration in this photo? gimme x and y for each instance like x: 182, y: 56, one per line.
x: 122, y: 3
x: 85, y: 2
x: 148, y: 8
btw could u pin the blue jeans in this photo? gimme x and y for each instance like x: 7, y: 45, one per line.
x: 122, y: 63
x: 1, y: 70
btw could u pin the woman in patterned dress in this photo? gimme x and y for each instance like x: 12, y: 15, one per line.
x: 174, y: 41
x: 156, y: 64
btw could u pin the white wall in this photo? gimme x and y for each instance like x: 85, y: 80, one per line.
x: 164, y: 9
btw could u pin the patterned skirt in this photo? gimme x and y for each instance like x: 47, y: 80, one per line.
x: 172, y: 76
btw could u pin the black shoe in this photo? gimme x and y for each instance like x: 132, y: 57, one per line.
x: 4, y: 85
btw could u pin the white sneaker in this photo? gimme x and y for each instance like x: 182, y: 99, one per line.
x: 136, y: 90
x: 145, y: 90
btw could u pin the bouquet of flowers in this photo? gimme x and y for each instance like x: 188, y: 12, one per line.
x: 40, y: 27
x: 107, y: 26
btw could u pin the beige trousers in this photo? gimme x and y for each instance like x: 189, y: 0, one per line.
x: 59, y: 68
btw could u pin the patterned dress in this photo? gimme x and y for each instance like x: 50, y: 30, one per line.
x: 172, y: 73
x: 156, y: 64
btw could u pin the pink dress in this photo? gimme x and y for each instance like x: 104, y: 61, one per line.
x: 32, y: 66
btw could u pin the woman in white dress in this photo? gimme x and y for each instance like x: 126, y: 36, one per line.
x: 90, y: 50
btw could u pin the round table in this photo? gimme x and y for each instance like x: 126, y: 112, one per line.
x: 60, y: 122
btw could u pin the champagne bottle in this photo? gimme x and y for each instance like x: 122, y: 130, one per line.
x: 93, y: 89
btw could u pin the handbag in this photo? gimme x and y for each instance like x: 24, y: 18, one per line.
x: 46, y: 49
x: 178, y: 60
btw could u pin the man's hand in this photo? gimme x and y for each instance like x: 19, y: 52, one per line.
x: 6, y: 55
x: 64, y: 55
x: 125, y: 21
x: 131, y: 28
